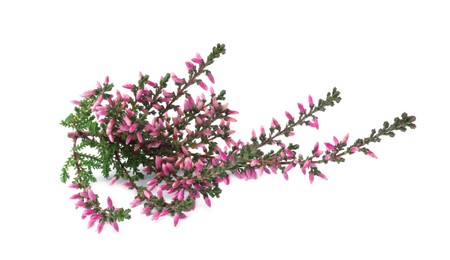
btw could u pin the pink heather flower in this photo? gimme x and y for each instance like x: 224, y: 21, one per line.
x: 335, y: 140
x: 158, y: 162
x: 110, y: 203
x: 91, y: 194
x: 110, y: 127
x: 76, y: 102
x: 99, y: 86
x: 135, y: 202
x: 139, y: 137
x: 91, y: 222
x: 180, y: 194
x: 202, y: 84
x: 165, y: 212
x: 354, y: 149
x: 139, y: 94
x: 113, y: 180
x: 128, y: 139
x: 306, y: 164
x: 167, y: 94
x: 301, y: 108
x: 226, y: 180
x: 127, y: 184
x: 327, y: 157
x: 207, y: 201
x: 156, y: 215
x: 288, y: 168
x: 140, y: 75
x: 146, y: 210
x: 329, y: 146
x: 115, y: 226
x: 128, y: 86
x: 176, y: 79
x: 100, y: 227
x: 75, y: 196
x: 198, y: 59
x: 106, y: 80
x: 127, y: 121
x: 151, y: 83
x: 321, y: 175
x: 147, y: 194
x: 310, y: 101
x: 88, y: 93
x: 311, y: 178
x: 253, y: 133
x: 254, y: 163
x: 80, y: 203
x: 288, y: 115
x: 223, y: 156
x: 189, y: 65
x: 286, y: 177
x: 318, y: 153
x: 152, y: 182
x: 274, y: 123
x: 316, y: 147
x: 74, y: 185
x: 176, y: 218
x: 371, y: 154
x: 210, y: 77
x: 345, y: 139
x: 132, y: 128
x: 159, y: 192
x: 98, y: 102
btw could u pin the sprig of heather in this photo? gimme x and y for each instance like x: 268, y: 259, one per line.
x: 182, y: 145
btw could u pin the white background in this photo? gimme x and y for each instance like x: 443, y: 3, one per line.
x: 386, y: 57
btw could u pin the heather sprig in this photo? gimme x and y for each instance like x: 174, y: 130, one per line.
x: 156, y: 132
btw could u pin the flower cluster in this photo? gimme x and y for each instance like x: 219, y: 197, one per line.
x: 180, y: 146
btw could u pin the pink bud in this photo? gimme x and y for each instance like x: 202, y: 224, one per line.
x: 310, y: 100
x: 100, y: 226
x: 139, y: 136
x: 75, y: 196
x: 110, y: 127
x: 115, y: 226
x: 176, y: 218
x: 147, y: 194
x: 135, y: 202
x: 158, y: 162
x: 110, y: 203
x: 329, y: 146
x: 176, y: 79
x: 301, y: 108
x: 288, y: 168
x: 286, y: 177
x: 253, y: 133
x: 306, y: 164
x: 345, y: 139
x: 106, y: 80
x: 99, y: 86
x: 76, y: 102
x: 159, y: 192
x: 311, y: 178
x: 274, y: 123
x: 128, y: 86
x: 146, y: 210
x: 198, y: 59
x: 288, y: 115
x: 254, y: 163
x: 321, y: 175
x: 210, y: 77
x: 189, y: 65
x: 113, y: 180
x: 128, y: 139
x: 371, y: 154
x: 354, y: 149
x: 202, y: 84
x: 335, y: 140
x: 132, y: 128
x: 74, y: 185
x: 207, y: 201
x: 127, y: 184
x: 180, y: 194
x: 151, y: 83
x: 88, y: 93
x: 91, y: 194
x: 156, y: 215
x: 139, y: 94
